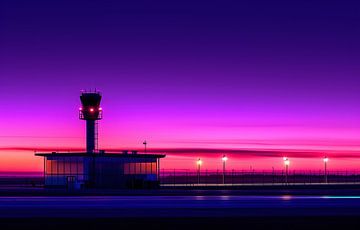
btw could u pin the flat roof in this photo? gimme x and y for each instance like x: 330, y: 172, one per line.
x: 84, y: 154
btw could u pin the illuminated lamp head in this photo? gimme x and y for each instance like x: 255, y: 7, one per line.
x: 224, y: 158
x: 287, y: 162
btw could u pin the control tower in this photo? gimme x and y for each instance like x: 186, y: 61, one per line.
x: 91, y: 112
x: 98, y: 168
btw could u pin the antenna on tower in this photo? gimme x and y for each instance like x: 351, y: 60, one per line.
x: 145, y: 143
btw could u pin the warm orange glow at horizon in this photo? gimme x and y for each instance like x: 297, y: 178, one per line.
x: 23, y: 160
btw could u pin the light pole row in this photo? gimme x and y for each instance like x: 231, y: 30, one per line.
x: 199, y: 163
x: 286, y: 163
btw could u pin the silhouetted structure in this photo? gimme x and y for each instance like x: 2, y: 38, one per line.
x: 99, y: 169
x: 91, y: 112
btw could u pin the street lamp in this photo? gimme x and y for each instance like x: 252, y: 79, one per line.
x: 287, y: 163
x: 198, y: 163
x: 326, y: 159
x: 224, y: 159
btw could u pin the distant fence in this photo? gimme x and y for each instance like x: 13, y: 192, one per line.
x: 231, y: 177
x: 21, y: 181
x: 188, y: 177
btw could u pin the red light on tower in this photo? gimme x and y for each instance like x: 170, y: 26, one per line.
x: 92, y: 110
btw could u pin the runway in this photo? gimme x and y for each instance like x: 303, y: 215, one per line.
x: 178, y: 206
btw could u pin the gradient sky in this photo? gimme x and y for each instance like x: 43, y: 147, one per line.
x: 194, y: 78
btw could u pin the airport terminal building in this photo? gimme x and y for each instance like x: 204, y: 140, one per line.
x: 103, y: 170
x: 99, y: 169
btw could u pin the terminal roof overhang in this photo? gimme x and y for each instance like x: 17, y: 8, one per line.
x: 84, y: 154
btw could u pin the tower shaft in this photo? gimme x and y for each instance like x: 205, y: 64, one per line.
x: 90, y: 136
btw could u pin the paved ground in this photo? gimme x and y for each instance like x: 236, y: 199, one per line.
x: 180, y: 212
x: 178, y: 206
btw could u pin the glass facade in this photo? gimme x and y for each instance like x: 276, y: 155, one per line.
x: 60, y: 170
x: 140, y: 168
x: 65, y: 166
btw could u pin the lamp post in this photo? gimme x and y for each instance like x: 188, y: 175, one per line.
x: 326, y: 159
x: 145, y: 143
x: 287, y: 163
x: 198, y: 163
x: 224, y: 159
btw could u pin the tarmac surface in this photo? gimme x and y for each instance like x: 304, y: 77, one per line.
x: 177, y: 206
x: 181, y: 209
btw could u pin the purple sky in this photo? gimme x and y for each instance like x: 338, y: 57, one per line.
x: 229, y: 75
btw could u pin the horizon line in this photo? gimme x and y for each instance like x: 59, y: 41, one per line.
x: 246, y: 152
